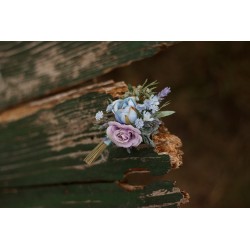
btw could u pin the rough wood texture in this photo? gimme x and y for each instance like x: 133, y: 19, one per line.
x: 29, y: 70
x: 162, y: 194
x: 43, y: 145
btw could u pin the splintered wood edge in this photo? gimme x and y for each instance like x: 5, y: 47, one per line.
x: 156, y: 193
x: 169, y: 144
x: 165, y: 144
x: 115, y: 89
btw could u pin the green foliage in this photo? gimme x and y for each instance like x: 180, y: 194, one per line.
x: 148, y: 140
x: 93, y: 195
x: 164, y: 113
x: 44, y: 177
x: 141, y: 91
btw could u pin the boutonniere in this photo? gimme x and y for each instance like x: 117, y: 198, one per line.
x: 131, y: 120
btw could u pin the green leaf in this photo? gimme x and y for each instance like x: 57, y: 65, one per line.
x: 144, y: 83
x: 147, y: 95
x: 137, y: 92
x: 165, y: 104
x: 148, y: 86
x: 151, y: 89
x: 110, y: 101
x: 151, y: 84
x: 147, y: 140
x: 164, y: 113
x: 130, y: 88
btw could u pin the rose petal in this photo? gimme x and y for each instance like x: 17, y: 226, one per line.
x: 123, y: 135
x: 132, y: 116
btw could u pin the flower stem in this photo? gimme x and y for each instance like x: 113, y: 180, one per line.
x: 95, y: 153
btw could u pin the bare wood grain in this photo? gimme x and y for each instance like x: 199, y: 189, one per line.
x: 30, y: 70
x: 32, y: 107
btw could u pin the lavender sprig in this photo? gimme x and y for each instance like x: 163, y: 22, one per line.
x: 164, y: 93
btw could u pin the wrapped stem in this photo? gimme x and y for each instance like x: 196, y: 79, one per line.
x: 97, y: 151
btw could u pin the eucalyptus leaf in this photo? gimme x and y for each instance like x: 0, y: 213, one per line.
x: 164, y: 113
x: 150, y: 127
x: 147, y: 140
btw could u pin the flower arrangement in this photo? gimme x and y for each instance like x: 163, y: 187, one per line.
x: 131, y: 120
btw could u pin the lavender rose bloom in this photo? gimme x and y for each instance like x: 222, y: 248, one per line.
x: 124, y: 136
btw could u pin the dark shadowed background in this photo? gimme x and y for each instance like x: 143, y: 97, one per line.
x: 211, y: 95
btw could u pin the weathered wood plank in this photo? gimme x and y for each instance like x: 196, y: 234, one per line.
x: 30, y: 108
x: 48, y: 144
x: 162, y: 194
x: 29, y: 70
x: 43, y: 144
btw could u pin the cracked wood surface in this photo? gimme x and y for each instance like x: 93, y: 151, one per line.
x: 30, y: 70
x: 160, y: 194
x: 43, y: 144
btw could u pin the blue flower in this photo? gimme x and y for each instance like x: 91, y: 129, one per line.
x: 154, y: 100
x: 139, y: 123
x: 152, y: 103
x: 140, y: 107
x: 147, y: 104
x: 124, y: 110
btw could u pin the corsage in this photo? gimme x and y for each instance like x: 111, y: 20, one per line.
x: 131, y: 120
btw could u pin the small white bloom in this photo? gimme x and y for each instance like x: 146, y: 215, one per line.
x: 147, y: 116
x: 154, y: 108
x: 99, y: 115
x: 139, y: 123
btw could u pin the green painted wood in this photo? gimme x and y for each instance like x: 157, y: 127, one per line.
x: 29, y: 70
x: 42, y: 147
x: 162, y: 194
x: 49, y: 147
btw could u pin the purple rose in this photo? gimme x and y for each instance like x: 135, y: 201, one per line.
x: 123, y: 135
